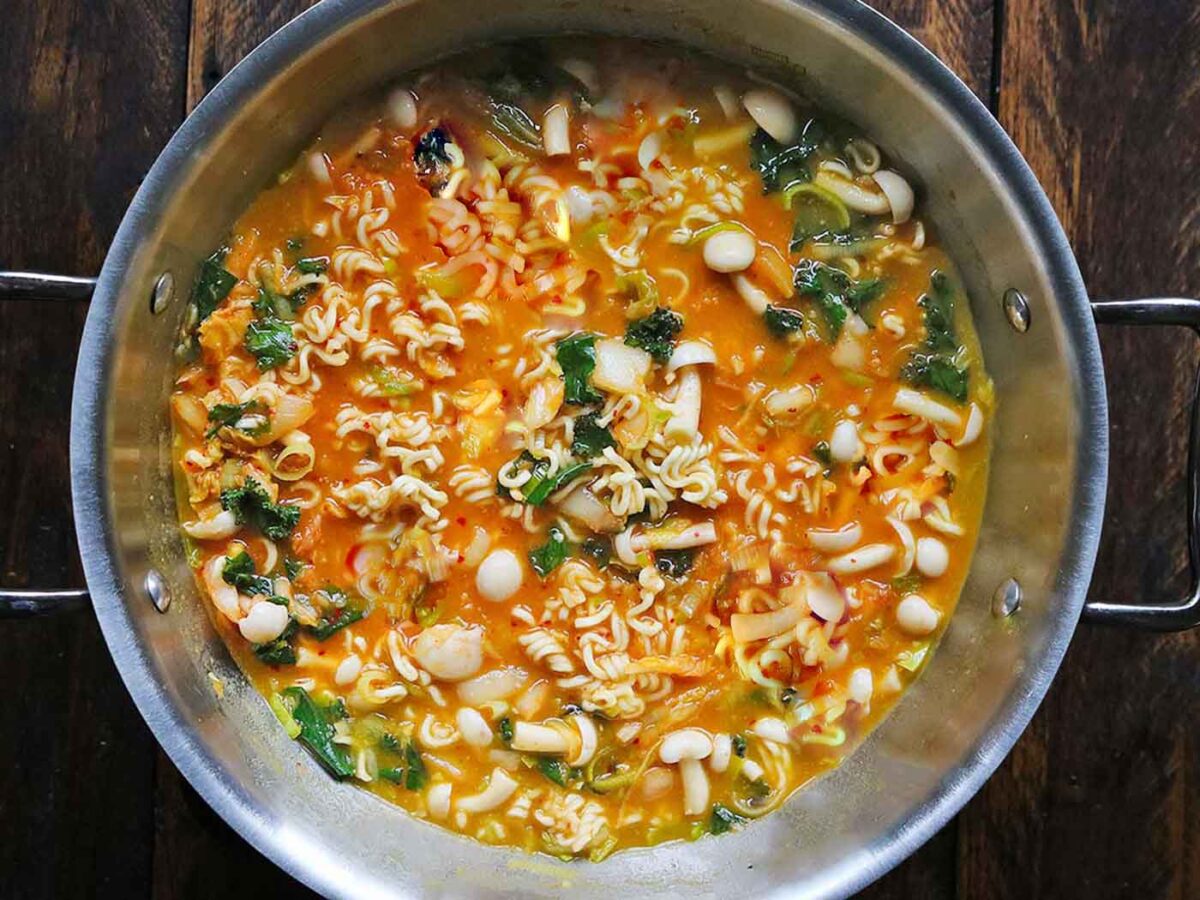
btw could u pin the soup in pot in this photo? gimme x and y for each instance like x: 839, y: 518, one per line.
x: 582, y: 445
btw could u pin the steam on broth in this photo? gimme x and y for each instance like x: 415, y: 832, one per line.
x: 582, y: 445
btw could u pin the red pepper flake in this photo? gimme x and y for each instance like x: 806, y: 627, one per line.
x: 461, y: 520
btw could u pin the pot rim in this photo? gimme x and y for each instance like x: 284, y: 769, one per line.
x: 94, y: 512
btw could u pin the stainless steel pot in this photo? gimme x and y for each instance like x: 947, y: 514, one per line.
x: 1034, y: 559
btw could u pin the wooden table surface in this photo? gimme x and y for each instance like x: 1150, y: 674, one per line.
x: 1101, y: 796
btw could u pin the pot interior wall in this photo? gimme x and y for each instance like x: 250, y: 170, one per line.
x: 910, y: 775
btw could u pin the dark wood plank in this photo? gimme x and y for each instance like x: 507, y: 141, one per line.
x: 1101, y: 798
x: 76, y: 789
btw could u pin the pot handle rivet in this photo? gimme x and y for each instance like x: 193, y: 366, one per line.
x: 1007, y: 599
x: 1016, y: 310
x: 157, y: 590
x: 164, y: 293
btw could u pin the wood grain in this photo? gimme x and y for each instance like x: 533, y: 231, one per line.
x: 89, y: 93
x: 1100, y: 798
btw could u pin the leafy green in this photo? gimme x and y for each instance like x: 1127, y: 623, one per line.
x: 739, y: 745
x: 590, y: 439
x: 655, y: 333
x: 782, y: 321
x: 293, y: 567
x: 393, y: 382
x: 342, y: 612
x: 724, y: 819
x: 822, y: 452
x: 313, y: 265
x: 270, y: 302
x: 213, y: 284
x: 229, y: 414
x: 674, y: 563
x: 907, y: 584
x: 411, y: 772
x: 431, y: 159
x: 505, y: 727
x: 550, y: 555
x: 281, y: 651
x: 779, y: 165
x: 834, y: 292
x: 936, y: 362
x: 557, y: 770
x: 598, y: 550
x: 250, y: 504
x: 641, y: 286
x: 270, y: 339
x: 539, y: 493
x: 317, y: 731
x: 576, y: 357
x: 241, y: 572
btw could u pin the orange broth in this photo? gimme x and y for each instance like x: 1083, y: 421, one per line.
x: 393, y: 413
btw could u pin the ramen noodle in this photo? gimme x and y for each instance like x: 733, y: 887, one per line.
x: 582, y: 450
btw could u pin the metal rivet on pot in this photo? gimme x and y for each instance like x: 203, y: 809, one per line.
x: 1016, y: 309
x: 156, y: 588
x: 1007, y: 599
x: 164, y: 293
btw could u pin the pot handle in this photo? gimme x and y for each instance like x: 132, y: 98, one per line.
x: 20, y: 603
x: 1185, y: 613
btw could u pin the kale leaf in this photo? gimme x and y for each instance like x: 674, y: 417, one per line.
x: 674, y: 563
x: 213, y: 284
x: 780, y: 165
x: 250, y: 504
x: 655, y: 333
x: 936, y: 363
x: 834, y: 292
x: 576, y: 357
x: 539, y: 493
x: 590, y: 439
x: 317, y: 731
x: 281, y: 651
x: 342, y: 612
x: 241, y: 572
x: 227, y: 415
x: 550, y: 555
x: 782, y: 321
x: 270, y: 339
x: 431, y: 159
x: 313, y: 265
x: 724, y: 819
x: 598, y: 550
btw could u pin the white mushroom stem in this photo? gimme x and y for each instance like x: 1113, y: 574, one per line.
x: 531, y: 738
x: 556, y: 131
x: 906, y: 539
x: 917, y: 404
x: 649, y: 149
x: 851, y: 193
x: 835, y: 540
x: 932, y: 557
x: 749, y: 627
x: 685, y: 416
x: 686, y: 743
x: 771, y: 728
x: 223, y: 525
x: 973, y: 428
x: 500, y: 787
x: 691, y: 353
x: 844, y: 445
x: 727, y: 100
x: 402, y: 108
x: 756, y: 298
x: 915, y: 615
x: 862, y: 559
x: 695, y: 787
x: 721, y: 754
x: 437, y: 798
x: 264, y: 622
x: 899, y: 194
x: 498, y: 684
x: 473, y: 727
x: 588, y: 740
x: 861, y: 686
x: 772, y: 112
x: 823, y: 596
x: 730, y: 251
